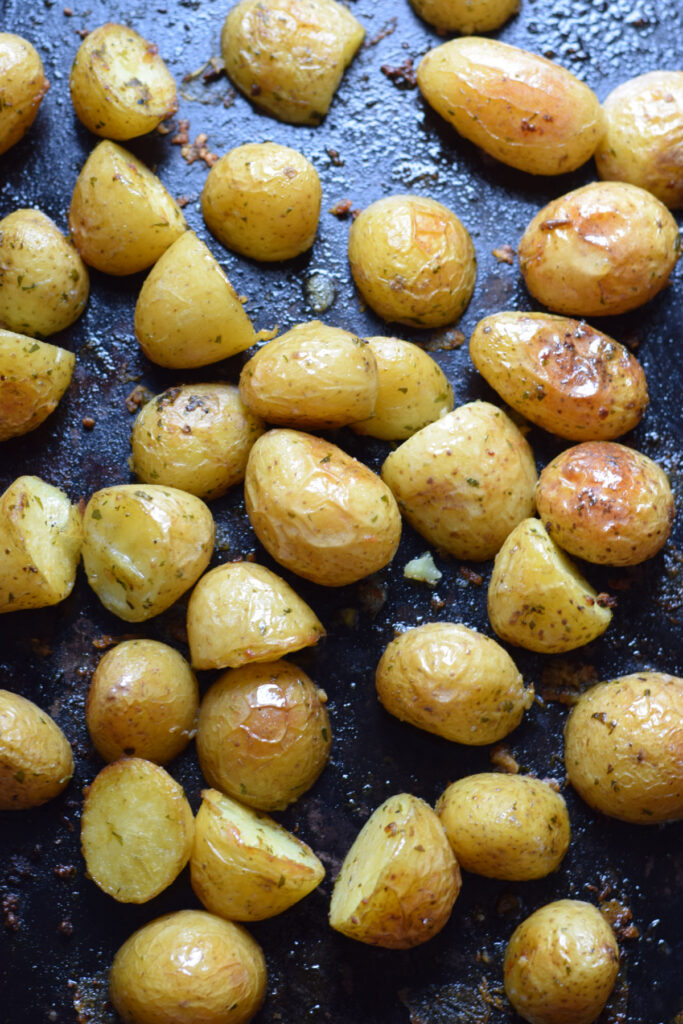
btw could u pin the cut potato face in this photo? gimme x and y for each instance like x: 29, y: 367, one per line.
x: 36, y: 762
x: 466, y: 16
x: 33, y: 378
x: 22, y: 87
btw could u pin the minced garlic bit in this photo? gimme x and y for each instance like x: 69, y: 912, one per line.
x: 423, y: 569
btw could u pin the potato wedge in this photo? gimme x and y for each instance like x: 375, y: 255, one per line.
x: 33, y: 378
x: 22, y: 87
x: 36, y: 762
x: 465, y: 16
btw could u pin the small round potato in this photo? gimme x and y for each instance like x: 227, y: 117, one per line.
x: 263, y: 734
x: 465, y: 16
x: 143, y: 701
x: 33, y: 378
x: 36, y: 761
x: 188, y: 967
x: 22, y: 87
x: 623, y: 748
x: 561, y: 964
x: 606, y: 503
x: 452, y: 681
x: 505, y: 826
x: 262, y: 200
x: 602, y: 249
x: 412, y: 260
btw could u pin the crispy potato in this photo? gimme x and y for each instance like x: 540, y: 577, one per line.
x: 505, y: 826
x: 241, y: 612
x: 643, y: 141
x: 412, y: 260
x: 36, y: 761
x: 22, y: 87
x: 538, y: 599
x: 606, y: 503
x: 264, y: 734
x: 452, y: 681
x: 144, y: 546
x: 399, y: 880
x: 465, y: 481
x: 262, y: 200
x: 143, y: 701
x: 120, y: 86
x: 136, y: 830
x: 222, y: 979
x: 40, y: 545
x: 602, y: 249
x: 561, y: 964
x: 246, y: 867
x: 522, y: 109
x: 288, y: 56
x: 33, y: 378
x: 121, y: 217
x: 465, y: 16
x: 623, y: 747
x: 561, y: 374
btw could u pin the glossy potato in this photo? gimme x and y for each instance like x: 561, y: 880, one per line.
x: 22, y: 87
x: 36, y: 762
x: 465, y: 16
x: 33, y: 378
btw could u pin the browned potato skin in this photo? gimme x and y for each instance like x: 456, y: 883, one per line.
x: 561, y: 374
x: 33, y: 378
x: 22, y: 87
x: 606, y: 503
x: 624, y: 747
x: 36, y: 762
x: 466, y: 16
x: 602, y: 249
x: 264, y: 734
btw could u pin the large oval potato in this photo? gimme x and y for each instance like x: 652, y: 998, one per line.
x: 22, y: 87
x: 465, y: 16
x: 33, y: 378
x: 561, y: 374
x: 36, y: 761
x: 623, y: 747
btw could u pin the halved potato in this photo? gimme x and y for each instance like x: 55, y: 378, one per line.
x: 33, y: 378
x: 466, y: 16
x: 36, y: 761
x: 22, y: 87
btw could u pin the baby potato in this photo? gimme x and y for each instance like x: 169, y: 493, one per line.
x: 602, y: 249
x: 143, y: 701
x: 121, y: 217
x: 561, y: 964
x: 606, y: 503
x: 44, y: 283
x: 144, y: 546
x: 196, y: 437
x: 22, y: 87
x: 399, y: 880
x: 288, y: 56
x: 505, y: 826
x: 241, y: 612
x: 120, y: 86
x: 452, y: 681
x: 643, y: 141
x: 262, y: 200
x: 465, y: 481
x: 538, y: 599
x: 561, y: 374
x: 263, y: 734
x: 412, y: 260
x: 522, y: 109
x: 313, y: 377
x: 412, y: 391
x: 317, y: 511
x: 36, y: 761
x: 222, y: 979
x: 623, y: 747
x: 246, y: 867
x: 465, y: 16
x: 33, y: 378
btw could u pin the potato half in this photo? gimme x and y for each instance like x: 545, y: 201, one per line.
x: 22, y: 87
x: 33, y: 378
x: 36, y: 762
x: 466, y: 16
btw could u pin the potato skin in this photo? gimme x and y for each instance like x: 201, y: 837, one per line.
x: 22, y: 87
x: 602, y: 249
x: 33, y: 378
x: 36, y: 762
x: 561, y: 374
x: 465, y: 16
x: 624, y: 747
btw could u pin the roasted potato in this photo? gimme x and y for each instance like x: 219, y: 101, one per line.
x: 602, y: 249
x: 465, y: 16
x: 33, y: 378
x: 561, y: 374
x: 36, y: 761
x: 22, y: 87
x: 623, y: 747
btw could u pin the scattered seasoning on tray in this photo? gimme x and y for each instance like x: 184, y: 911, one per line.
x: 10, y: 912
x: 385, y: 31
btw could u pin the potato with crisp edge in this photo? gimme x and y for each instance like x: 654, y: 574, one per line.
x: 33, y: 377
x: 36, y: 762
x: 22, y: 87
x: 466, y: 16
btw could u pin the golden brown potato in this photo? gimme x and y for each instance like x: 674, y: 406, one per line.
x: 520, y: 108
x: 36, y: 761
x: 623, y: 747
x: 465, y: 16
x: 412, y: 260
x: 505, y: 826
x: 22, y: 87
x: 120, y: 86
x: 602, y: 249
x: 33, y: 378
x: 643, y: 141
x: 288, y: 56
x: 465, y: 481
x: 143, y: 701
x: 399, y: 880
x: 561, y: 964
x: 262, y: 200
x: 222, y: 979
x: 561, y: 374
x: 452, y: 681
